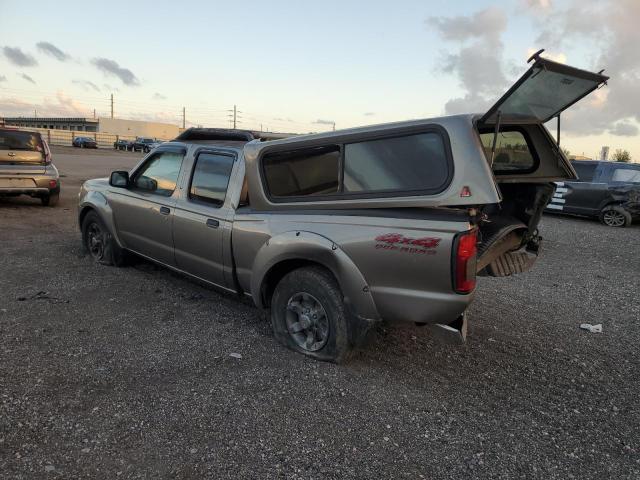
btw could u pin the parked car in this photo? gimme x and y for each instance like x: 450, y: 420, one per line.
x: 609, y: 191
x: 122, y: 144
x: 84, y: 142
x: 26, y: 167
x: 331, y: 233
x: 144, y: 144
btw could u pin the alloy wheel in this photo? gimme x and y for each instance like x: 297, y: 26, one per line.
x: 613, y: 218
x: 95, y: 241
x: 307, y: 322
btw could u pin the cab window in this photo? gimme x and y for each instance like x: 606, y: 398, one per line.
x: 159, y: 174
x: 512, y: 155
x: 626, y: 175
x: 211, y: 178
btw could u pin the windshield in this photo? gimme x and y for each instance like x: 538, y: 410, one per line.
x: 16, y: 140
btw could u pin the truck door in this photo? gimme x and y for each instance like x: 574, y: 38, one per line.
x: 201, y: 217
x: 143, y: 213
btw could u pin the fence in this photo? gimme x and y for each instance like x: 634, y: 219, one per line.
x: 65, y: 137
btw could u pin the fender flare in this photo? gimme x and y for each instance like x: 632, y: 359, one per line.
x: 302, y: 245
x: 96, y: 201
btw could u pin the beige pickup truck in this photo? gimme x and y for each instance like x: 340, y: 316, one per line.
x: 334, y: 232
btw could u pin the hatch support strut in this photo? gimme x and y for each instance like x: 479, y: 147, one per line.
x: 558, y: 133
x: 495, y: 137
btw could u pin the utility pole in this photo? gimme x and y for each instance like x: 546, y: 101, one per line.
x: 94, y: 113
x: 334, y: 126
x: 234, y: 117
x: 112, y: 105
x: 184, y: 118
x: 35, y: 113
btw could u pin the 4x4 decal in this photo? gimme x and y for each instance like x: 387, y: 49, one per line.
x: 397, y: 241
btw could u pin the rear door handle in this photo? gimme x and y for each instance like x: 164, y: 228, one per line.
x: 212, y: 223
x: 165, y: 210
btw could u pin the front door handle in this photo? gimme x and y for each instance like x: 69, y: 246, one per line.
x: 165, y: 210
x: 212, y: 223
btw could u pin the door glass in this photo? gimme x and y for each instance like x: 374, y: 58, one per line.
x: 585, y: 171
x: 627, y: 175
x: 160, y: 174
x: 211, y: 178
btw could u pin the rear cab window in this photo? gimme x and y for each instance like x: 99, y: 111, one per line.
x: 401, y: 165
x: 17, y: 140
x: 514, y: 153
x: 624, y: 174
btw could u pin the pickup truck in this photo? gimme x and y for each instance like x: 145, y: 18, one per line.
x: 609, y: 191
x: 332, y: 233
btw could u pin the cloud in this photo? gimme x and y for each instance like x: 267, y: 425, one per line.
x: 158, y: 96
x: 324, y: 122
x: 27, y: 78
x: 537, y: 4
x: 18, y: 57
x: 624, y: 129
x: 60, y: 106
x: 477, y: 63
x: 369, y: 114
x: 86, y: 85
x: 50, y: 49
x: 111, y: 67
x: 3, y: 78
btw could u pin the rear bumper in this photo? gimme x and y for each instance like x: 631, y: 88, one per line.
x: 30, y: 184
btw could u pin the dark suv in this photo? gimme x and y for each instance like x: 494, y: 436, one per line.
x: 607, y: 190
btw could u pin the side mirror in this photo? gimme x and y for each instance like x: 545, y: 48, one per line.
x: 119, y: 178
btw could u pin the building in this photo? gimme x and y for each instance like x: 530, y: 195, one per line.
x: 114, y: 126
x: 55, y: 123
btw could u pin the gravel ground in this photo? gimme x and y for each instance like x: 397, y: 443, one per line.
x: 128, y: 373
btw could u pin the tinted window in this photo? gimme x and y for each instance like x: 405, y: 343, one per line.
x: 585, y: 171
x: 303, y: 173
x: 211, y: 178
x: 413, y: 162
x: 512, y: 151
x: 14, y: 140
x: 160, y: 174
x: 628, y: 175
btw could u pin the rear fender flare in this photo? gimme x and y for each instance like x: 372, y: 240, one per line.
x: 97, y: 202
x: 300, y: 245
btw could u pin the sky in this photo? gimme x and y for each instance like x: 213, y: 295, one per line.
x: 302, y: 66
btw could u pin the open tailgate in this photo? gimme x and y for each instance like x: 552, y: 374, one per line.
x: 545, y: 90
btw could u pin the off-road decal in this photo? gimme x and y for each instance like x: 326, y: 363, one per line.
x: 397, y: 241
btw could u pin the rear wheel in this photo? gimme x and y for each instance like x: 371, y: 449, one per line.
x: 309, y: 317
x: 99, y: 242
x: 615, y: 216
x: 50, y: 200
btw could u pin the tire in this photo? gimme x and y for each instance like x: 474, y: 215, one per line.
x: 50, y: 200
x: 615, y: 216
x: 99, y: 243
x: 299, y: 295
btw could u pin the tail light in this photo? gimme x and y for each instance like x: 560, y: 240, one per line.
x: 464, y: 261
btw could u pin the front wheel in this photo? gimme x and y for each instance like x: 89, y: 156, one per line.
x: 99, y: 243
x: 309, y: 317
x: 615, y: 216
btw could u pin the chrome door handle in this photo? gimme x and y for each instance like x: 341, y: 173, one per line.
x: 165, y: 210
x: 212, y: 223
